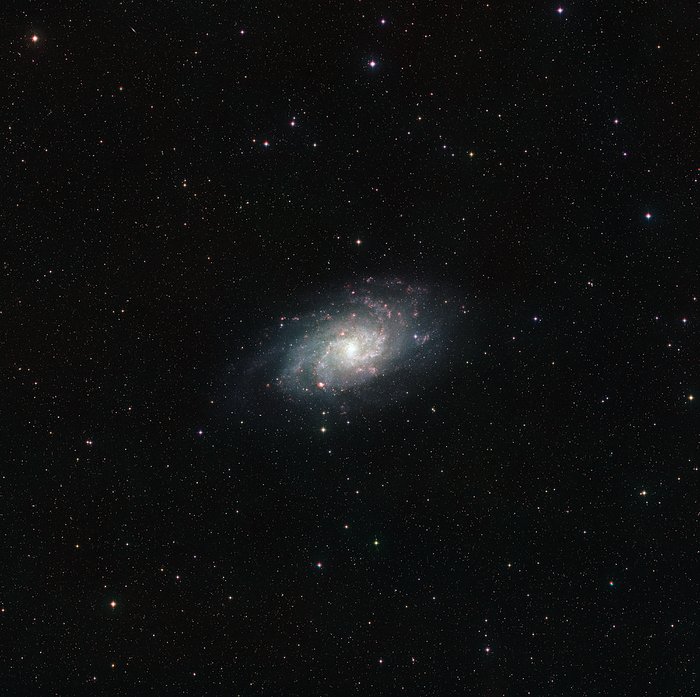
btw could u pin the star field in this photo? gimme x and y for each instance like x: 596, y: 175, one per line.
x: 349, y: 349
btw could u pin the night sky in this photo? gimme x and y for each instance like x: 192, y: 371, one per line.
x: 349, y: 348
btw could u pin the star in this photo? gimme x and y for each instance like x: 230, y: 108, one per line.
x: 560, y: 10
x: 647, y: 216
x: 113, y: 604
x: 35, y: 39
x: 372, y: 63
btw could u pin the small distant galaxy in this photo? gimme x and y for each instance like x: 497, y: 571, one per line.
x: 360, y: 334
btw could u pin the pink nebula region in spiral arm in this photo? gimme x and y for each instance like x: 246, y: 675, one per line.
x: 365, y: 331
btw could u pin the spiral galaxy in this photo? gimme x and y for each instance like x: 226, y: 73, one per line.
x: 360, y: 334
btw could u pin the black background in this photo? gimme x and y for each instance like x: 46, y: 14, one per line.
x: 534, y: 502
